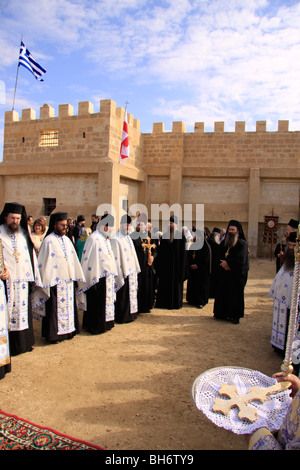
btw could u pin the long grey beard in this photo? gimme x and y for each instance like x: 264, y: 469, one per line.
x: 288, y: 259
x: 230, y: 240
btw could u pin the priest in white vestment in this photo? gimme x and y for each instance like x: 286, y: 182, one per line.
x: 23, y: 285
x: 100, y: 271
x: 281, y: 291
x: 126, y: 306
x: 60, y: 272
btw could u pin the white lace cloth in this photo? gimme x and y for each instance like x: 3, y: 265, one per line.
x: 270, y: 413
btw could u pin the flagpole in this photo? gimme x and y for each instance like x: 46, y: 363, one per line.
x: 16, y: 78
x: 126, y: 104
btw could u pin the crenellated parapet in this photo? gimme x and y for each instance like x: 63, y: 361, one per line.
x: 85, y: 135
x: 236, y: 149
x: 108, y: 109
x: 219, y: 127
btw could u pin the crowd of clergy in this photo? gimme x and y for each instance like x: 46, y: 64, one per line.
x: 53, y: 271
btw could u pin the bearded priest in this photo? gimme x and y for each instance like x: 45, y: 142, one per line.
x: 23, y: 285
x: 100, y: 270
x: 60, y: 272
x: 234, y: 266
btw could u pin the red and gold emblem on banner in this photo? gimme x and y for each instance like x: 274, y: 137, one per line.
x: 270, y: 230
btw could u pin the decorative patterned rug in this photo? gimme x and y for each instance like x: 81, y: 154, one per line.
x: 18, y: 434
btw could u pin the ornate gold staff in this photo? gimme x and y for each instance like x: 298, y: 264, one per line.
x: 287, y: 365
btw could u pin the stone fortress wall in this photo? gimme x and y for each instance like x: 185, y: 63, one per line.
x: 241, y: 175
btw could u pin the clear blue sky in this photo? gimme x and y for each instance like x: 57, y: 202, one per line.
x: 172, y: 60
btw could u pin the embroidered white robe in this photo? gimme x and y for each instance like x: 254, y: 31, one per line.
x: 281, y: 291
x: 127, y: 265
x: 98, y: 261
x: 59, y: 266
x: 21, y: 273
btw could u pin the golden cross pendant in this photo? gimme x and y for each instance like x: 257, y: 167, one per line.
x: 241, y: 401
x: 16, y: 254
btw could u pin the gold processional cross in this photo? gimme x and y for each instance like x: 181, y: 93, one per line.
x: 149, y: 246
x: 241, y: 401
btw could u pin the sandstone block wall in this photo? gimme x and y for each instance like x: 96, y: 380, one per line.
x: 82, y: 171
x: 242, y: 175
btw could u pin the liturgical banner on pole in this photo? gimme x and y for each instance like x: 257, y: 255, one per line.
x: 270, y: 229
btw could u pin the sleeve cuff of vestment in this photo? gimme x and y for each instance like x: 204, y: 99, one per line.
x: 259, y: 434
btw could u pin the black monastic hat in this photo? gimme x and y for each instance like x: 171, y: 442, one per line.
x: 238, y: 225
x: 56, y: 217
x: 107, y: 220
x: 292, y: 237
x: 174, y: 219
x: 217, y: 230
x: 14, y: 208
x: 125, y: 219
x: 293, y: 223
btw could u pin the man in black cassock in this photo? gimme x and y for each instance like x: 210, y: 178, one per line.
x: 229, y: 298
x: 279, y: 252
x: 141, y: 237
x: 199, y: 265
x: 99, y: 268
x: 171, y: 267
x: 214, y: 243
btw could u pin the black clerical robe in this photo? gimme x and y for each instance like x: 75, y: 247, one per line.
x: 197, y: 292
x: 279, y: 247
x: 146, y: 276
x: 171, y: 270
x: 229, y: 295
x: 50, y: 320
x: 122, y: 304
x: 94, y: 317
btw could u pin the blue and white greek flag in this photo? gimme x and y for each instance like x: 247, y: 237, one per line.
x: 26, y: 59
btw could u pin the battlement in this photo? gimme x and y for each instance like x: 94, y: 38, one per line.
x: 108, y: 110
x: 85, y: 135
x: 219, y: 127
